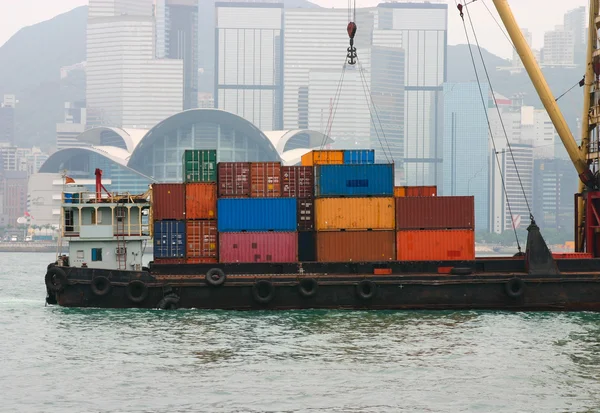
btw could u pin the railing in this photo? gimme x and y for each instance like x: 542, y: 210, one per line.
x: 115, y: 198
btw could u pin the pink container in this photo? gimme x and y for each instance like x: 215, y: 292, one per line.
x: 258, y: 247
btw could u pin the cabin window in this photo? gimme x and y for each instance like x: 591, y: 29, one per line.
x: 96, y: 254
x: 80, y: 254
x: 69, y: 227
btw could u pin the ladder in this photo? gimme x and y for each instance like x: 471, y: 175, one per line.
x: 121, y: 251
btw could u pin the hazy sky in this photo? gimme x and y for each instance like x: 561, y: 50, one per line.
x: 536, y: 15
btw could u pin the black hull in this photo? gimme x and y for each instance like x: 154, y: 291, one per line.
x: 487, y: 284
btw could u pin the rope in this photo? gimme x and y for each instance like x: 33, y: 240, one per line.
x: 483, y: 102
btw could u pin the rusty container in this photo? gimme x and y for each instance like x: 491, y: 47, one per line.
x: 201, y: 260
x: 233, y: 179
x: 265, y: 178
x: 435, y: 212
x: 297, y: 181
x: 200, y: 200
x: 356, y: 246
x: 165, y: 261
x: 168, y: 201
x: 436, y: 245
x: 258, y: 247
x: 421, y: 190
x: 399, y: 191
x: 355, y: 214
x: 305, y: 212
x: 201, y: 239
x: 323, y: 157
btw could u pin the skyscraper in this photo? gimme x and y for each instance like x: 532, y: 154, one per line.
x: 177, y: 38
x: 559, y: 47
x: 7, y: 120
x: 575, y: 21
x: 249, y: 61
x: 126, y: 85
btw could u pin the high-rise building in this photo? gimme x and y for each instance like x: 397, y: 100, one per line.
x: 559, y: 47
x: 177, y: 38
x: 74, y: 123
x: 466, y: 155
x: 249, y: 62
x: 554, y: 183
x: 13, y: 190
x: 575, y: 21
x: 7, y: 119
x: 126, y: 85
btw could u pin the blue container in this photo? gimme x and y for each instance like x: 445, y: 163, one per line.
x: 169, y: 239
x: 256, y: 214
x: 355, y: 180
x: 359, y: 156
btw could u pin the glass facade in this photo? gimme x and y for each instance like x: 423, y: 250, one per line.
x: 554, y: 183
x: 465, y: 153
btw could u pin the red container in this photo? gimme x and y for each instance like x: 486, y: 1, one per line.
x: 233, y: 179
x: 201, y: 239
x: 168, y: 201
x: 436, y: 245
x: 201, y: 260
x: 258, y: 247
x: 421, y: 190
x: 297, y: 181
x: 356, y: 246
x: 266, y: 179
x: 169, y: 261
x: 571, y: 255
x: 305, y: 211
x: 435, y: 212
x: 200, y: 200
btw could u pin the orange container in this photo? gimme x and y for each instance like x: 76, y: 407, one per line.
x: 326, y: 157
x: 435, y: 245
x: 333, y: 214
x: 421, y: 190
x: 200, y: 200
x: 265, y: 179
x: 355, y: 246
x: 399, y: 191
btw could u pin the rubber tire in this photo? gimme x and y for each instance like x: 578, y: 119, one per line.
x: 131, y: 288
x: 510, y: 285
x: 169, y: 302
x: 52, y: 264
x: 215, y: 282
x: 56, y: 279
x: 311, y: 291
x: 360, y: 289
x: 97, y: 282
x: 263, y: 299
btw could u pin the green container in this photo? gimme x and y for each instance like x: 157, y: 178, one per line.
x: 200, y: 165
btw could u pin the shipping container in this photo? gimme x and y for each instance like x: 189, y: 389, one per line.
x: 201, y: 260
x: 355, y: 213
x: 297, y: 181
x: 359, y: 156
x: 258, y: 247
x: 265, y: 178
x: 433, y: 212
x: 436, y: 245
x: 234, y: 179
x: 421, y: 190
x: 169, y: 260
x: 399, y: 191
x: 168, y: 201
x: 169, y: 239
x: 200, y: 165
x: 354, y: 180
x: 356, y: 246
x: 323, y: 157
x: 200, y: 200
x: 307, y: 246
x: 201, y: 239
x: 306, y: 214
x: 256, y: 214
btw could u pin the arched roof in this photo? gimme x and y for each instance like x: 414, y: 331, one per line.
x: 279, y: 138
x: 130, y: 137
x: 193, y: 116
x: 294, y: 156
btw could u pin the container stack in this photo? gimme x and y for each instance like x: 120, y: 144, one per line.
x: 431, y: 228
x: 168, y: 209
x: 354, y: 209
x: 255, y: 223
x: 200, y: 176
x: 298, y: 183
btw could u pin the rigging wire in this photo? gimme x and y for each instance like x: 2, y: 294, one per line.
x: 460, y: 8
x: 499, y: 25
x: 334, y: 105
x: 579, y: 83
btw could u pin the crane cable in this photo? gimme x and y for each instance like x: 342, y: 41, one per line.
x: 460, y: 9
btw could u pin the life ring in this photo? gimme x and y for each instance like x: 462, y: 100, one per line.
x: 137, y: 291
x: 263, y: 291
x: 215, y: 277
x: 169, y: 302
x: 100, y: 285
x: 56, y: 279
x: 515, y: 287
x: 307, y: 287
x: 366, y: 289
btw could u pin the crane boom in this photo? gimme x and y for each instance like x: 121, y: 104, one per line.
x: 541, y: 86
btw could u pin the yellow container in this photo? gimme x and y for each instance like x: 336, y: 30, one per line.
x: 323, y: 158
x: 355, y: 214
x: 399, y: 191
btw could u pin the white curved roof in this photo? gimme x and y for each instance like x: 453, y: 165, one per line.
x: 131, y: 137
x: 294, y: 156
x: 279, y: 138
x: 119, y: 155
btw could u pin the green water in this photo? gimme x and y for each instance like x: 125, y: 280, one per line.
x: 70, y: 360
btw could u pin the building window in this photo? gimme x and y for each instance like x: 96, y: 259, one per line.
x: 80, y: 254
x: 96, y: 254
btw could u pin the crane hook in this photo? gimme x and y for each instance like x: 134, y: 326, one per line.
x: 351, y: 29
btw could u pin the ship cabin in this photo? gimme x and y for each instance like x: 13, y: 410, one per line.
x: 108, y: 231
